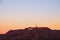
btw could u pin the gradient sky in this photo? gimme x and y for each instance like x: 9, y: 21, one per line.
x: 17, y: 14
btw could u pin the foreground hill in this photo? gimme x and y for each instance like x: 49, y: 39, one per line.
x: 32, y: 33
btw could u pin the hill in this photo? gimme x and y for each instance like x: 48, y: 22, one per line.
x: 31, y: 33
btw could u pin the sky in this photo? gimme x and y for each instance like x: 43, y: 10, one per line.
x: 20, y: 14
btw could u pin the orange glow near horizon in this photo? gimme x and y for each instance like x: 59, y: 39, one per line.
x: 7, y: 24
x: 5, y: 28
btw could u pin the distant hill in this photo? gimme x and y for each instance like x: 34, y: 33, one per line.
x: 31, y: 33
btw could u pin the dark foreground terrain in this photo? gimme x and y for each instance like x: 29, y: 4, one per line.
x: 37, y: 33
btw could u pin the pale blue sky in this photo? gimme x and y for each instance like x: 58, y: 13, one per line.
x: 36, y: 8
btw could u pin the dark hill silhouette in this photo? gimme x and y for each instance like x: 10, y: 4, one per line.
x: 31, y: 33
